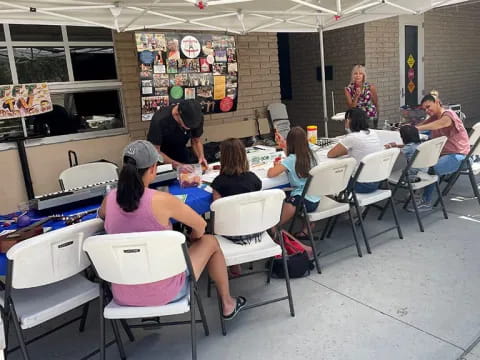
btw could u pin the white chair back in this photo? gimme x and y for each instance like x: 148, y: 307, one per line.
x: 53, y: 256
x: 429, y: 152
x: 87, y: 174
x: 378, y: 165
x: 137, y: 258
x: 279, y: 116
x: 247, y: 213
x: 331, y: 177
x: 474, y: 136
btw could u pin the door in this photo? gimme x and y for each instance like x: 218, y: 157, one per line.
x: 411, y: 59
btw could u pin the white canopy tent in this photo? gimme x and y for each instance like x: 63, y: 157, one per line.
x: 231, y: 16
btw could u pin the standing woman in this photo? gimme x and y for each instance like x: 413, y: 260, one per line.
x: 362, y: 95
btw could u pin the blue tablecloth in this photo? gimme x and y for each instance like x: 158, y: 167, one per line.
x: 197, y: 198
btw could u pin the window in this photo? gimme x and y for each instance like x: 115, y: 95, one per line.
x: 79, y: 65
x: 35, y: 33
x: 5, y: 73
x: 90, y: 34
x: 93, y: 63
x: 40, y: 64
x: 79, y: 112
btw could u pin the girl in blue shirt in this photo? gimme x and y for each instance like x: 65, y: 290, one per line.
x: 297, y: 164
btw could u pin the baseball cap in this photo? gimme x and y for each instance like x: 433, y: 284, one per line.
x: 143, y: 152
x: 191, y: 113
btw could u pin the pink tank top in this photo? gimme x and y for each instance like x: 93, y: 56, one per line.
x: 457, y: 137
x: 142, y: 219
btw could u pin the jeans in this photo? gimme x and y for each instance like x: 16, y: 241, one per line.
x: 447, y: 164
x: 365, y: 188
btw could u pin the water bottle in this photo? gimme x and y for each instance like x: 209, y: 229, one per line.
x: 386, y: 125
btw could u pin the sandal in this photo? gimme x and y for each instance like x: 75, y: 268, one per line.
x: 241, y: 302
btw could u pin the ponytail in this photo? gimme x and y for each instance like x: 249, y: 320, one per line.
x: 130, y: 186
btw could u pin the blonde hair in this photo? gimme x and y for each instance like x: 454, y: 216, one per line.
x: 436, y: 95
x: 359, y: 68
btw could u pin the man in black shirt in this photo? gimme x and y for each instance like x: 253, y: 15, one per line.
x: 172, y: 127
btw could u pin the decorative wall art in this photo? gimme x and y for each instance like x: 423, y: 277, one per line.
x: 177, y: 66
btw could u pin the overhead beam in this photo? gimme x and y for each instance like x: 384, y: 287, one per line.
x: 316, y: 7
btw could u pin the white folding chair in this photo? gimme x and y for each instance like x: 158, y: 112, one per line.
x: 279, y: 118
x: 140, y: 258
x: 250, y: 213
x: 325, y: 181
x: 87, y: 174
x: 375, y: 167
x: 426, y: 156
x: 468, y: 166
x: 44, y: 279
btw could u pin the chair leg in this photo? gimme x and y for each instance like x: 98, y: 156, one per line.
x: 471, y: 176
x: 354, y: 231
x: 84, y: 317
x: 362, y: 228
x: 270, y: 270
x: 127, y: 330
x: 384, y: 209
x: 19, y: 333
x: 102, y: 323
x: 410, y: 197
x: 118, y: 339
x: 220, y: 310
x: 414, y: 203
x: 202, y: 314
x: 209, y: 286
x: 332, y: 226
x: 395, y: 217
x: 287, y: 276
x: 392, y: 198
x: 440, y: 198
x: 451, y: 182
x: 325, y: 229
x: 193, y: 330
x: 312, y: 243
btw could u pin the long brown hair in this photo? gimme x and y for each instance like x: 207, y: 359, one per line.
x: 297, y: 144
x: 233, y: 157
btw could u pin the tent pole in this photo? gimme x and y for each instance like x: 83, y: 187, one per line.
x: 324, y: 89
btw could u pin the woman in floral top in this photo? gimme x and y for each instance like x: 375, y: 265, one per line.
x: 362, y: 95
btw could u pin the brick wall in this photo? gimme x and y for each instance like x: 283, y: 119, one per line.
x: 343, y: 48
x: 452, y: 53
x: 383, y: 63
x: 258, y: 83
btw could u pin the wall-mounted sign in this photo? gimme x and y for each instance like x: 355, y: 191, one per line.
x: 176, y: 66
x: 24, y: 100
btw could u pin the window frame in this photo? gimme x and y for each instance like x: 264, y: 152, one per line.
x: 70, y: 86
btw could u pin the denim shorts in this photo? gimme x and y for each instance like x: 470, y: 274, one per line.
x: 184, y: 290
x: 295, y: 200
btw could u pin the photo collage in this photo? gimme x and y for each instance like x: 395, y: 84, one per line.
x: 176, y: 66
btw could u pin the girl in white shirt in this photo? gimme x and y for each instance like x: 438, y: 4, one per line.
x: 360, y: 142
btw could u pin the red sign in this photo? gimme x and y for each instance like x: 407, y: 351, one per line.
x: 226, y: 104
x: 411, y: 74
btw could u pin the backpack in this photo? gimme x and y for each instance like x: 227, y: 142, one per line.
x: 298, y: 262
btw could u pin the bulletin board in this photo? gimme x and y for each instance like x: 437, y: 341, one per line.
x: 182, y: 66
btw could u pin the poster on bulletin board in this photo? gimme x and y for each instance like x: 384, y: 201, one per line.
x: 182, y: 66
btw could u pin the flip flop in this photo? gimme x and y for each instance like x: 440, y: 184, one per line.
x: 302, y: 236
x: 241, y: 302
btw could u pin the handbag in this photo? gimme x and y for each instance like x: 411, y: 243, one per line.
x: 298, y: 262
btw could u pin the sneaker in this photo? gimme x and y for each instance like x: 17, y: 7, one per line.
x: 422, y: 206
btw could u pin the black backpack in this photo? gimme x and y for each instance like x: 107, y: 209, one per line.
x: 298, y: 266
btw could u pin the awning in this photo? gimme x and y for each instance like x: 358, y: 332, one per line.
x: 234, y: 16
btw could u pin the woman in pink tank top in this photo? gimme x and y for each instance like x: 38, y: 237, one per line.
x: 443, y: 122
x: 133, y: 207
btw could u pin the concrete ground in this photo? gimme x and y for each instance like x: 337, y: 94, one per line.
x: 416, y: 298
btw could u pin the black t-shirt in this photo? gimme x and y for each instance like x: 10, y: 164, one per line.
x: 170, y: 136
x: 227, y: 185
